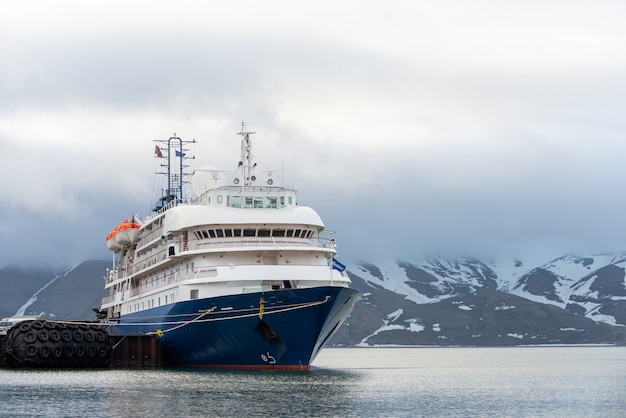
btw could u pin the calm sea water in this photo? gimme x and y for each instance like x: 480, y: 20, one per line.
x: 365, y: 382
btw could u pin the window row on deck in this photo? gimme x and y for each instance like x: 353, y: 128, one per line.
x: 271, y: 201
x: 253, y: 232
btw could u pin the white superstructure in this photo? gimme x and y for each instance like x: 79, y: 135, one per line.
x: 241, y: 233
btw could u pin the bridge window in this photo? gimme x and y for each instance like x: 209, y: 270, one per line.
x: 270, y: 202
x: 193, y: 294
x: 234, y: 201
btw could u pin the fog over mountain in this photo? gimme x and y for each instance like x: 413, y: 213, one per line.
x: 413, y: 127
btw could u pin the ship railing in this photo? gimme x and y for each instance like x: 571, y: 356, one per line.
x: 234, y: 242
x: 149, y: 237
x: 174, y: 203
x: 161, y: 255
x: 113, y: 276
x: 156, y: 283
x: 167, y: 279
x: 171, y: 278
x: 149, y: 261
x: 108, y: 299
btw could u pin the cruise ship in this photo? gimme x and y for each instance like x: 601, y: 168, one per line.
x: 235, y: 274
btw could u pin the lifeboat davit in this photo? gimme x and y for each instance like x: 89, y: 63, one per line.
x: 122, y: 236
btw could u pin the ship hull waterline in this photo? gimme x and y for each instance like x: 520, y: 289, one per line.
x: 282, y: 329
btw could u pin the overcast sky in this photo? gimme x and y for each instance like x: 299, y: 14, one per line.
x: 412, y: 127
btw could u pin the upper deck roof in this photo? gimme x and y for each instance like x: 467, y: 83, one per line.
x: 187, y: 216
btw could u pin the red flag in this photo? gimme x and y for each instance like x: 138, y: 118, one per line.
x: 158, y: 152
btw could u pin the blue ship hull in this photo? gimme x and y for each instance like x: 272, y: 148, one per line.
x: 283, y: 329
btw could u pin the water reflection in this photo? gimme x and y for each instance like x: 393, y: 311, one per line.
x: 344, y: 382
x: 229, y: 393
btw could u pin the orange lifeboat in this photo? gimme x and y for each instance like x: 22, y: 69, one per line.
x: 124, y: 235
x: 112, y: 244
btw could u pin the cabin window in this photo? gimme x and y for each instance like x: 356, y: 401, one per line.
x: 290, y: 200
x: 159, y: 301
x: 166, y: 299
x: 248, y: 202
x: 282, y: 201
x: 270, y: 202
x: 193, y: 294
x: 258, y: 202
x: 234, y: 201
x: 220, y: 198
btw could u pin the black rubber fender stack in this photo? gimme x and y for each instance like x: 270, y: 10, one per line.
x: 57, y: 344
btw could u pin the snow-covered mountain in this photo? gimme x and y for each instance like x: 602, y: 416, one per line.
x: 68, y: 294
x: 570, y: 300
x: 592, y: 286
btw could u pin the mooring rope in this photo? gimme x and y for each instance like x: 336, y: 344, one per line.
x: 198, y: 318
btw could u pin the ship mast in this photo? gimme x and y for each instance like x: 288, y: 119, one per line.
x: 246, y: 156
x: 175, y: 151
